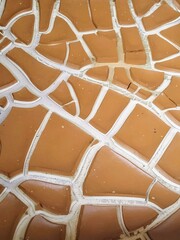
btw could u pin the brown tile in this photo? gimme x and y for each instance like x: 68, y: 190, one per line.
x: 86, y: 93
x: 123, y: 12
x: 143, y: 94
x: 52, y: 197
x: 169, y: 65
x: 11, y: 10
x: 142, y: 132
x: 17, y: 132
x: 42, y: 229
x: 159, y: 17
x: 1, y: 189
x: 164, y: 51
x: 70, y: 108
x: 98, y: 223
x: 169, y: 229
x: 108, y: 112
x: 78, y: 57
x: 147, y: 78
x: 45, y: 11
x: 24, y: 95
x: 100, y: 13
x: 6, y: 77
x: 3, y: 102
x: 138, y: 216
x: 78, y: 12
x: 23, y: 29
x: 56, y: 52
x: 174, y: 115
x: 162, y: 196
x: 142, y: 7
x: 60, y: 147
x: 164, y: 102
x: 42, y: 75
x: 172, y: 33
x: 112, y: 175
x: 11, y: 209
x: 98, y: 43
x: 4, y: 43
x: 60, y: 33
x: 169, y: 162
x: 133, y: 48
x: 99, y: 73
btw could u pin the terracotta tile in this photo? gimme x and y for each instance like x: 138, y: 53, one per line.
x: 23, y: 29
x: 24, y: 95
x: 42, y: 229
x: 138, y: 216
x: 11, y: 10
x: 159, y: 17
x: 77, y: 57
x: 60, y: 147
x: 1, y: 189
x: 86, y: 93
x: 4, y: 43
x: 142, y: 132
x: 9, y: 219
x: 108, y: 112
x: 70, y: 108
x: 6, y: 77
x: 99, y: 73
x: 98, y: 223
x: 163, y: 102
x: 172, y: 33
x: 169, y: 162
x: 132, y: 45
x: 52, y: 197
x: 100, y: 13
x: 42, y: 76
x: 45, y: 11
x: 143, y: 94
x: 174, y: 115
x: 112, y: 175
x: 162, y: 196
x: 60, y: 33
x: 142, y: 7
x: 98, y: 43
x: 169, y: 229
x: 147, y: 78
x: 164, y: 51
x: 17, y: 132
x: 3, y: 102
x: 78, y: 12
x: 169, y: 65
x: 123, y: 12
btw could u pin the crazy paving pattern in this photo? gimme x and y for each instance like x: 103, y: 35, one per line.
x: 90, y: 119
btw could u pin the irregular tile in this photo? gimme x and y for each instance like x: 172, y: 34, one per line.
x: 42, y: 229
x: 70, y: 108
x: 6, y: 77
x: 12, y: 10
x: 17, y: 132
x: 111, y: 107
x: 4, y: 43
x: 172, y: 33
x: 52, y: 197
x: 98, y: 223
x: 78, y: 13
x: 142, y: 7
x: 132, y: 45
x: 164, y: 102
x: 169, y: 161
x: 1, y: 187
x: 98, y: 43
x: 101, y: 14
x: 78, y: 57
x: 160, y: 16
x: 45, y: 11
x: 42, y: 75
x: 168, y: 229
x: 162, y: 196
x: 147, y: 78
x: 23, y: 29
x: 174, y: 115
x: 60, y: 33
x: 169, y: 65
x: 60, y: 147
x: 99, y: 73
x: 123, y: 12
x: 137, y: 216
x: 143, y: 94
x: 3, y: 102
x: 11, y: 209
x: 142, y: 132
x: 55, y: 52
x: 109, y: 175
x: 121, y: 79
x: 1, y: 34
x: 24, y: 95
x: 164, y: 51
x: 86, y: 93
